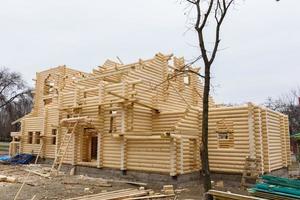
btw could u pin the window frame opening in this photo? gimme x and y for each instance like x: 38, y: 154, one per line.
x: 30, y: 137
x: 37, y: 139
x: 112, y: 121
x: 187, y: 79
x: 54, y: 135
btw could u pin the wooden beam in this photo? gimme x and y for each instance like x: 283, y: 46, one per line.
x: 136, y: 101
x: 107, y: 74
x: 231, y: 196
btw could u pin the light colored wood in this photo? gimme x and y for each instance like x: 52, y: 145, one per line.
x: 221, y: 195
x: 130, y: 118
x: 117, y: 194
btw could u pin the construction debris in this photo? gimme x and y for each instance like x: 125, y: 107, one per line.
x: 273, y: 187
x: 96, y: 184
x: 118, y: 194
x: 64, y: 187
x: 127, y: 182
x: 38, y: 170
x: 221, y: 195
x: 168, y: 189
x: 8, y: 179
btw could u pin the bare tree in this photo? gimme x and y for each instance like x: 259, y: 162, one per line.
x: 12, y: 87
x: 288, y: 104
x: 15, y: 100
x: 208, y: 14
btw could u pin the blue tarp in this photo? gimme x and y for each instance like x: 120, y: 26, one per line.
x: 20, y: 159
x: 4, y: 158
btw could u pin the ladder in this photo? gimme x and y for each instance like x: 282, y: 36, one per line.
x: 61, y: 152
x: 40, y: 151
x: 251, y: 172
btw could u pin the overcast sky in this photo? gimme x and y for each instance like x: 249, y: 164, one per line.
x: 260, y: 40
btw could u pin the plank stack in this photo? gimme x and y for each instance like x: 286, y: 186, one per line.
x: 132, y: 194
x: 273, y: 187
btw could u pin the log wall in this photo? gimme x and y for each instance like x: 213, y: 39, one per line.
x: 143, y: 122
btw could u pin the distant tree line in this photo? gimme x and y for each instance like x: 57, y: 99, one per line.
x: 16, y: 100
x: 288, y: 104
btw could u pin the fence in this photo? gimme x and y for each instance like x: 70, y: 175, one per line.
x: 4, y: 147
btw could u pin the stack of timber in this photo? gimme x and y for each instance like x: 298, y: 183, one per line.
x: 273, y: 187
x: 221, y: 195
x: 124, y: 194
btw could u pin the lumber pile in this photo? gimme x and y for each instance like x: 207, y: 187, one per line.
x: 221, y: 195
x: 132, y: 194
x: 38, y: 170
x: 273, y: 187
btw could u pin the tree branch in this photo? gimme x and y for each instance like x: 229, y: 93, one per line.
x: 12, y: 99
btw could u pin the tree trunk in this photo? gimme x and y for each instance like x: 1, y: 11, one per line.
x: 204, y: 147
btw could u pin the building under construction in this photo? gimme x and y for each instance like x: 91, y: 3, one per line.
x: 144, y: 116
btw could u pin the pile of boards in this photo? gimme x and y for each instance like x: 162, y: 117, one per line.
x: 124, y: 194
x: 273, y: 187
x: 221, y: 195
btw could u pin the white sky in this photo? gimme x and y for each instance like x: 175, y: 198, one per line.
x: 260, y: 40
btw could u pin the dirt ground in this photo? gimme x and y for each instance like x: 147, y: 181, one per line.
x: 67, y: 186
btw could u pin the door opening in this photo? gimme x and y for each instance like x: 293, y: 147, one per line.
x: 94, y: 148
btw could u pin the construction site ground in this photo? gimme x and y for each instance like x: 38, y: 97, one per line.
x: 67, y: 186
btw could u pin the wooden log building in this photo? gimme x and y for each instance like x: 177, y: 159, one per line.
x: 145, y: 116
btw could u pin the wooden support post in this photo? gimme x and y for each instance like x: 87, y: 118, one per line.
x: 101, y: 94
x: 286, y: 120
x: 74, y: 148
x: 123, y: 113
x: 267, y: 138
x: 259, y: 138
x: 80, y: 145
x: 22, y: 133
x: 100, y: 151
x: 173, y: 157
x: 123, y: 153
x: 181, y: 156
x: 251, y: 131
x: 195, y: 154
x: 123, y: 129
x: 44, y: 133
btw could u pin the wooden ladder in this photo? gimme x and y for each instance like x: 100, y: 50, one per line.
x: 61, y: 152
x: 40, y: 151
x: 251, y: 172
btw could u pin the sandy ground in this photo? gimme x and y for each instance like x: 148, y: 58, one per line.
x: 66, y: 186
